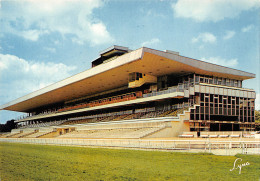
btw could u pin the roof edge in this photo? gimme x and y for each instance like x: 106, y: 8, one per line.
x: 133, y: 56
x: 185, y: 60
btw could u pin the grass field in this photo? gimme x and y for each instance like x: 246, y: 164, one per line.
x: 41, y: 162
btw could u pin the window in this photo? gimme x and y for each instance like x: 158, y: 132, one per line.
x: 215, y: 80
x: 236, y: 83
x: 211, y: 97
x: 201, y: 79
x: 239, y: 83
x: 202, y: 97
x: 224, y: 82
x: 228, y: 82
x: 197, y: 78
x: 131, y: 77
x: 137, y: 76
x: 232, y: 83
x: 210, y: 81
x: 219, y: 81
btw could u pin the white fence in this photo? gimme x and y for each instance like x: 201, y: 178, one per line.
x: 216, y: 147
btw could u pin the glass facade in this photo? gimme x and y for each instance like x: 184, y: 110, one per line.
x: 218, y: 81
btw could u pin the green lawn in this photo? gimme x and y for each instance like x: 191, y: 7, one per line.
x: 40, y: 162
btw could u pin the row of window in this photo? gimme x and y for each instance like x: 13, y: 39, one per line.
x: 218, y: 81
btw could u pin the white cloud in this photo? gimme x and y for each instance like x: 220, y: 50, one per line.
x: 32, y: 35
x: 212, y: 10
x: 201, y: 47
x: 229, y: 34
x: 32, y: 19
x: 151, y: 13
x: 220, y: 61
x: 52, y: 50
x: 150, y: 43
x: 19, y: 77
x: 247, y: 28
x: 204, y: 37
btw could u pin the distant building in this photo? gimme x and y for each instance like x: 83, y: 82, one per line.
x: 144, y: 85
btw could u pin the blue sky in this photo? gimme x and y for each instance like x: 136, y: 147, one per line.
x: 44, y: 41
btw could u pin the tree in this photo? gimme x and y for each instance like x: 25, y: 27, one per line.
x: 8, y: 126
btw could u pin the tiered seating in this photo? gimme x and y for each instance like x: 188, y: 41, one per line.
x: 149, y: 115
x: 173, y: 113
x: 158, y: 113
x: 120, y: 117
x: 112, y: 133
x: 109, y: 100
x: 3, y: 134
x: 20, y: 135
x: 80, y: 121
x: 9, y: 135
x: 43, y: 124
x: 46, y: 112
x: 108, y: 118
x: 166, y: 113
x: 142, y: 113
x: 37, y: 134
x: 113, y: 117
x: 104, y: 101
x: 133, y: 116
x: 177, y: 111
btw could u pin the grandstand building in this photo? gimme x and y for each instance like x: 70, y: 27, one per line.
x: 136, y: 94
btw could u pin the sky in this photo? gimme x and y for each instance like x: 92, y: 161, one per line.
x: 45, y: 41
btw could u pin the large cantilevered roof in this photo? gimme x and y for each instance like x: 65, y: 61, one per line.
x: 115, y: 73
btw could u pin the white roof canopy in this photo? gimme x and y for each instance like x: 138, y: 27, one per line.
x: 114, y: 74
